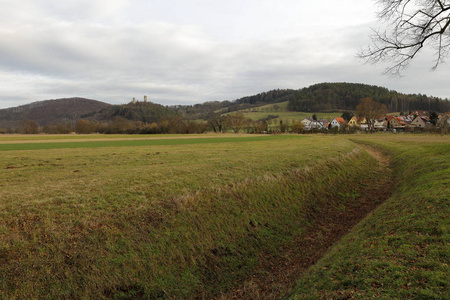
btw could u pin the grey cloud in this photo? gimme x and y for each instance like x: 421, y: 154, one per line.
x: 91, y: 50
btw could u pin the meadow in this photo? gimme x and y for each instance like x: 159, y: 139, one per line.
x: 401, y: 250
x: 121, y: 217
x: 280, y: 110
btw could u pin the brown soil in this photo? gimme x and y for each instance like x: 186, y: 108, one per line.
x: 282, y: 272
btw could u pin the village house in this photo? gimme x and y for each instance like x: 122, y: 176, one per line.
x: 338, y: 122
x: 420, y: 122
x: 325, y: 123
x: 408, y: 118
x: 358, y: 122
x: 444, y: 121
x: 380, y: 124
x: 396, y: 122
x: 318, y: 124
x: 307, y: 123
x: 310, y: 124
x: 419, y: 113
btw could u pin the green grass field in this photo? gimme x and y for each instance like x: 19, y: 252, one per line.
x: 264, y: 111
x: 61, y: 143
x: 122, y: 217
x: 401, y: 251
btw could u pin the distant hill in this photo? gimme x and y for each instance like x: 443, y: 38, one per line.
x: 146, y: 112
x: 322, y: 97
x: 50, y: 111
x: 332, y: 96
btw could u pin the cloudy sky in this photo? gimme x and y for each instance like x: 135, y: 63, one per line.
x: 190, y: 51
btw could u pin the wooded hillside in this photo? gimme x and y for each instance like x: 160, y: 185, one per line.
x: 322, y: 97
x: 50, y: 111
x: 146, y: 112
x: 330, y: 96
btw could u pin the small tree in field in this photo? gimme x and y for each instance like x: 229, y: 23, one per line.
x: 276, y: 107
x: 371, y: 110
x: 236, y: 121
x: 297, y: 126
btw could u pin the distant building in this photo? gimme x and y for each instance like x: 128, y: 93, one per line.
x: 421, y: 122
x: 396, y: 122
x: 358, y: 122
x: 338, y: 122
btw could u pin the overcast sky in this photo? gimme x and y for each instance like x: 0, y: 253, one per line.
x: 190, y: 51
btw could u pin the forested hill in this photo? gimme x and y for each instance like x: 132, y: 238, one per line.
x: 331, y: 96
x: 146, y: 112
x: 50, y: 111
x: 274, y: 96
x: 320, y: 98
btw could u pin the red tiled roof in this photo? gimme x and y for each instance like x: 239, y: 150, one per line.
x: 340, y: 120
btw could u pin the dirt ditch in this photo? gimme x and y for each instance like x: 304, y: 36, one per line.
x: 276, y: 276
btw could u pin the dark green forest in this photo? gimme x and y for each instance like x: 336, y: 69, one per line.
x: 332, y: 96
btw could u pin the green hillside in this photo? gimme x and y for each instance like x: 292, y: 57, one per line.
x: 329, y: 96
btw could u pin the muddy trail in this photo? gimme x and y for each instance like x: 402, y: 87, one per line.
x: 276, y: 276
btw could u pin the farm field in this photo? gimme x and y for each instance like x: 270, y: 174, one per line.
x: 103, y: 217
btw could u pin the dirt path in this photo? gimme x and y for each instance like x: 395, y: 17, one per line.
x: 282, y: 272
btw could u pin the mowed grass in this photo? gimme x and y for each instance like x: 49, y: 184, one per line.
x: 170, y: 221
x: 401, y: 251
x: 39, y: 143
x: 264, y: 111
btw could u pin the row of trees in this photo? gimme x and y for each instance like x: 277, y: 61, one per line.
x: 177, y: 125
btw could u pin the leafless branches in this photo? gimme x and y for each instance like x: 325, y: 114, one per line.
x: 412, y: 26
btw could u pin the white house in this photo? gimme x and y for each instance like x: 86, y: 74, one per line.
x: 338, y: 122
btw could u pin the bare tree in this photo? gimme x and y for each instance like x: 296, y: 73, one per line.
x: 28, y: 127
x: 412, y: 26
x: 276, y: 107
x: 236, y: 121
x: 371, y: 111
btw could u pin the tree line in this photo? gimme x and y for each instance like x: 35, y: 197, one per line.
x: 235, y: 122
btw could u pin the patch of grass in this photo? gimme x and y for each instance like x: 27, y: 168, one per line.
x: 138, y: 142
x: 401, y: 250
x: 262, y: 112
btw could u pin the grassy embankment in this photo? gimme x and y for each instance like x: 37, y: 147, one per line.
x: 170, y: 221
x: 401, y: 251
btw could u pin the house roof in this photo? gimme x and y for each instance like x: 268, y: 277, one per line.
x: 340, y: 120
x: 358, y: 120
x: 398, y: 119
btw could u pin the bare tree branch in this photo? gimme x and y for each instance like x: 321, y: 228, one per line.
x: 413, y: 26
